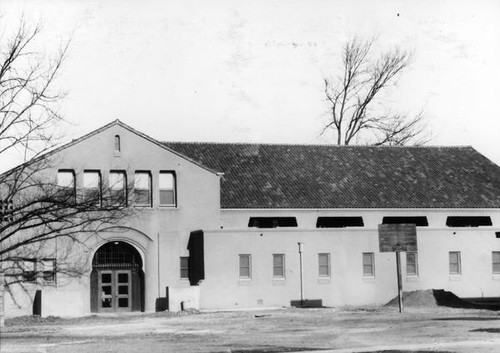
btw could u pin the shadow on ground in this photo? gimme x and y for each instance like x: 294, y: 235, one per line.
x: 478, y: 318
x: 487, y: 330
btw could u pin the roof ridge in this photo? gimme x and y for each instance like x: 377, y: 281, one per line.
x: 311, y: 145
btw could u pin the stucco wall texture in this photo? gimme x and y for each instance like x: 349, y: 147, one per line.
x: 161, y: 234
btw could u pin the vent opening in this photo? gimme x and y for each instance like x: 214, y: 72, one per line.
x: 339, y: 222
x: 470, y: 221
x: 272, y: 222
x: 419, y: 221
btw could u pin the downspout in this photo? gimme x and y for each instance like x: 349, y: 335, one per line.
x: 158, y: 246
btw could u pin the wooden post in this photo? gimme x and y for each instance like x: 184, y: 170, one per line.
x: 400, y: 281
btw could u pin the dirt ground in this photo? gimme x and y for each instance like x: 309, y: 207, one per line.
x: 367, y: 329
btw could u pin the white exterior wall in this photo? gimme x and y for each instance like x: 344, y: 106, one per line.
x: 222, y: 287
x: 159, y: 234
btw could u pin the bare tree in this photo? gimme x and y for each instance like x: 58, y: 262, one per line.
x: 356, y: 112
x: 36, y: 211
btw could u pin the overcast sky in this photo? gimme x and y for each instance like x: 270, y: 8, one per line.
x: 252, y: 71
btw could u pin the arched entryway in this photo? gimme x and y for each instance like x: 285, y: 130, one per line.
x: 117, y: 279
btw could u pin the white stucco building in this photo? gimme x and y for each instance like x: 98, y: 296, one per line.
x: 217, y: 226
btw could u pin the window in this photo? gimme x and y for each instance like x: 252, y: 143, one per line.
x: 92, y: 187
x: 278, y: 265
x: 142, y: 189
x: 368, y: 264
x: 167, y: 189
x: 66, y: 185
x: 118, y: 188
x: 245, y: 266
x: 48, y: 270
x: 419, y: 221
x: 28, y: 268
x: 411, y: 264
x: 495, y: 255
x: 455, y: 265
x: 6, y: 210
x: 118, y: 146
x: 339, y: 222
x: 324, y: 265
x: 472, y: 221
x: 184, y: 267
x: 272, y: 222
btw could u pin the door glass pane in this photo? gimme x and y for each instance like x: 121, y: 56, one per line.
x: 106, y: 290
x: 122, y: 302
x: 123, y: 278
x: 106, y: 302
x: 122, y: 289
x: 106, y: 278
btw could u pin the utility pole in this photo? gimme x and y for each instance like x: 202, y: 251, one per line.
x: 301, y: 274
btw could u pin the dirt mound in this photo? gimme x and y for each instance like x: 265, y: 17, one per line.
x: 32, y: 320
x: 431, y: 298
x: 418, y: 298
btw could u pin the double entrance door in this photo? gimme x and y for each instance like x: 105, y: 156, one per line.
x: 115, y: 290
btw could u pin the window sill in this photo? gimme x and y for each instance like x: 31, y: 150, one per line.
x: 279, y: 281
x: 244, y: 281
x: 455, y: 277
x: 412, y: 278
x: 117, y: 154
x: 324, y: 280
x: 496, y: 277
x: 368, y: 279
x: 168, y: 207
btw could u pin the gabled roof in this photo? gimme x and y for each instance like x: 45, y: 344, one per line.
x: 98, y: 131
x: 326, y: 176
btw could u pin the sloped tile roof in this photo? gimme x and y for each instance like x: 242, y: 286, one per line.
x: 326, y: 176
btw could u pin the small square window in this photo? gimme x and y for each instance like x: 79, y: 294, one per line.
x: 496, y: 261
x: 167, y: 189
x: 411, y: 264
x: 118, y: 188
x: 279, y: 265
x: 324, y: 265
x: 66, y: 186
x: 92, y: 187
x: 184, y: 266
x: 368, y: 264
x: 28, y: 267
x: 455, y: 263
x: 48, y: 270
x: 142, y: 189
x: 245, y: 266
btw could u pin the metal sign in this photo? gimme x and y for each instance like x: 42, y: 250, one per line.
x: 397, y: 237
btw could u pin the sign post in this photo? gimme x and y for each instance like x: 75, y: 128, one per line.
x: 400, y: 281
x: 398, y: 238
